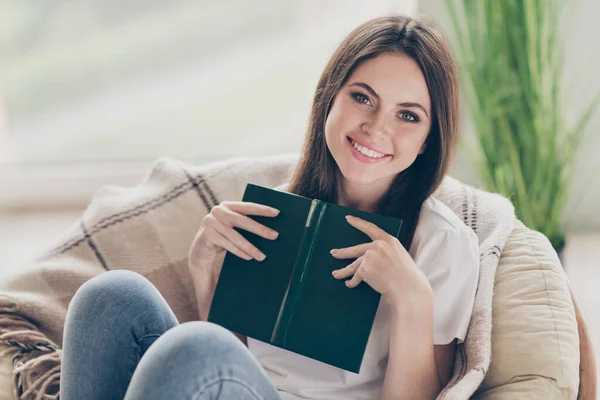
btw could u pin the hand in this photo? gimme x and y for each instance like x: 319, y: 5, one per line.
x: 384, y: 264
x: 216, y: 233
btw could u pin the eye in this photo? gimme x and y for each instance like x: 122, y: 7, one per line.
x: 408, y: 117
x: 361, y: 98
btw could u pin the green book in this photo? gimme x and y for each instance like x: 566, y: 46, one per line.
x: 291, y: 299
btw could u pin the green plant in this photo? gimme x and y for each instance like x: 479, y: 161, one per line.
x: 510, y: 56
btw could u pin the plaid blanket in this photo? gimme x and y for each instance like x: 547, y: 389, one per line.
x: 149, y: 228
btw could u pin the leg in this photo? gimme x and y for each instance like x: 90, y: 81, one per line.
x: 199, y: 361
x: 111, y: 321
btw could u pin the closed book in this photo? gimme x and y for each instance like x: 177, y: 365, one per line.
x: 291, y: 299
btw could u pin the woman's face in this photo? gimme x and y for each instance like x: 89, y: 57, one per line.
x: 384, y: 106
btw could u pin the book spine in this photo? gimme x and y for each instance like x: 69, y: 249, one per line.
x: 292, y: 294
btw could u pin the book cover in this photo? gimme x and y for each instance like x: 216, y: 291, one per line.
x: 290, y: 299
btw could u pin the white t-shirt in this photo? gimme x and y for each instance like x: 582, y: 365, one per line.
x: 447, y: 251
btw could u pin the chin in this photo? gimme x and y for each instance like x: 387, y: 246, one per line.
x: 358, y: 177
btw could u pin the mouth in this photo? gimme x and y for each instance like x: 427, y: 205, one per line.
x: 370, y: 158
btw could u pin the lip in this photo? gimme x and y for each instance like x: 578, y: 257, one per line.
x: 362, y: 158
x: 365, y: 145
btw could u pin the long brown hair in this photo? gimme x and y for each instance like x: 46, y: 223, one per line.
x: 315, y: 176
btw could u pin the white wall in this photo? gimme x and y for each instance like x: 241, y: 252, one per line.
x: 582, y: 78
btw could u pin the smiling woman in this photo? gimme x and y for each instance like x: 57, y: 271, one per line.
x: 371, y: 111
x: 383, y: 92
x: 382, y: 135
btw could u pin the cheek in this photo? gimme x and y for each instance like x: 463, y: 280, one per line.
x: 410, y: 141
x: 332, y: 124
x: 341, y: 120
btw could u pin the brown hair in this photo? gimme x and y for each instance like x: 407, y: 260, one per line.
x: 315, y: 177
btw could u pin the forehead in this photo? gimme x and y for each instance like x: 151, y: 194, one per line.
x: 395, y: 77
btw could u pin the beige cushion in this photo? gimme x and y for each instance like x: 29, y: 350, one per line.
x: 535, y: 344
x: 6, y: 391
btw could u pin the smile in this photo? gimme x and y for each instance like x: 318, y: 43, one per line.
x: 365, y: 154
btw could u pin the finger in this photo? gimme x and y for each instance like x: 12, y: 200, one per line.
x: 231, y: 218
x: 239, y: 241
x: 372, y: 230
x: 351, y: 252
x: 348, y: 270
x: 250, y: 208
x: 222, y: 241
x: 356, y: 279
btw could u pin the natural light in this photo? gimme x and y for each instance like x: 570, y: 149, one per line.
x: 114, y: 81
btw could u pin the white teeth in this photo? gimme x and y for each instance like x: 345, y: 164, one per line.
x: 365, y: 151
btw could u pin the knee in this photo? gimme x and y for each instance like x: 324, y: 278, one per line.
x: 202, y: 358
x: 111, y: 284
x: 201, y: 340
x: 116, y: 287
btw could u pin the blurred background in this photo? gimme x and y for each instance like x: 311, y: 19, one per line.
x: 92, y: 92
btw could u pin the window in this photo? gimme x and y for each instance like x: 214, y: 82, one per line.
x: 115, y: 82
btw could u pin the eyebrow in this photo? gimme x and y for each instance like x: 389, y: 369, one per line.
x: 372, y: 92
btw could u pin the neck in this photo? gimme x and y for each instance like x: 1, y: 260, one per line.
x: 364, y: 197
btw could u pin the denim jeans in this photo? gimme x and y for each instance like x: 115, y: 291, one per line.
x: 122, y: 341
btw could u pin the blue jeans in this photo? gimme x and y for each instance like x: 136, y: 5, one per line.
x: 122, y: 341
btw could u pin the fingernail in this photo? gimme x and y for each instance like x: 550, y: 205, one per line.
x: 261, y: 256
x: 274, y: 235
x: 349, y: 216
x: 334, y: 273
x: 333, y: 251
x: 275, y: 211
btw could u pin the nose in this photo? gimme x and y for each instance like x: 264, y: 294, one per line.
x: 377, y: 125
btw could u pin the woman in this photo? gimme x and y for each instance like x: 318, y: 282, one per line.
x: 381, y: 137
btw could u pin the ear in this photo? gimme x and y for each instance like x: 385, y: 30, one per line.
x: 423, y: 147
